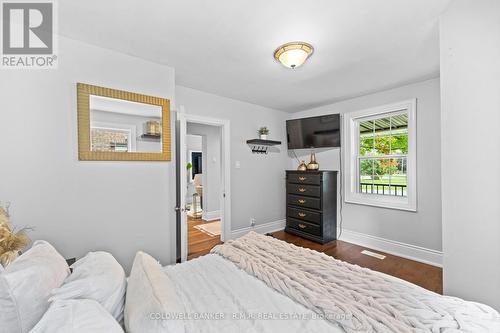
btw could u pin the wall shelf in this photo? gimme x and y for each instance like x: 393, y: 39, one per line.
x: 260, y: 146
x: 152, y: 137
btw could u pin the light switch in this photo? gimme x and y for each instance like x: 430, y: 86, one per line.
x: 237, y: 164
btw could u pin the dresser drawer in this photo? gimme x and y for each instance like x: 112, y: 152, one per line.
x: 312, y: 229
x: 304, y: 178
x: 307, y: 202
x: 309, y: 190
x: 304, y: 215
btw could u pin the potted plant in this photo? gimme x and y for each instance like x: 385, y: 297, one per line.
x: 263, y: 132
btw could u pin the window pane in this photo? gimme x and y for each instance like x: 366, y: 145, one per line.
x: 399, y: 181
x: 382, y: 144
x: 383, y: 176
x: 365, y: 175
x: 399, y: 143
x: 399, y: 130
x: 105, y: 140
x: 373, y: 178
x: 366, y: 137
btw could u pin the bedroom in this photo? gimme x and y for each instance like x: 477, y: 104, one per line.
x: 215, y: 62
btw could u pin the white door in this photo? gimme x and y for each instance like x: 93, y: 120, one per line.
x: 183, y: 185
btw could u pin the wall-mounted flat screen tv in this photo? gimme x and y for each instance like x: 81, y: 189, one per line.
x: 314, y: 132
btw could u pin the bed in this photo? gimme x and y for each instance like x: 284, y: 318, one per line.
x: 260, y: 284
x: 213, y: 285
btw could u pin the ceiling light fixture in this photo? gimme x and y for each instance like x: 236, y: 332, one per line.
x: 294, y: 54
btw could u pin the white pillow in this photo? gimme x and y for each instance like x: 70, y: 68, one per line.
x: 25, y: 287
x: 150, y: 296
x: 77, y: 316
x: 96, y: 276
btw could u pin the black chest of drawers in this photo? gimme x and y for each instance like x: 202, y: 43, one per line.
x: 311, y: 204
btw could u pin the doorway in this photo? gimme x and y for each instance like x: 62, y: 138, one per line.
x: 203, y: 184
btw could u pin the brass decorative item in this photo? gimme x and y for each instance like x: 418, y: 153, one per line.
x: 153, y: 127
x: 313, y: 165
x: 302, y: 166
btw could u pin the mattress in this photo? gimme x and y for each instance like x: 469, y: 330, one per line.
x: 217, y: 296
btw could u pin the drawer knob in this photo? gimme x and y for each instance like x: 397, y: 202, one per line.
x: 302, y: 178
x: 302, y: 214
x: 301, y: 201
x: 301, y: 226
x: 301, y: 189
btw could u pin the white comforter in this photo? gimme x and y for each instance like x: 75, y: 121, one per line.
x: 219, y: 297
x: 357, y: 298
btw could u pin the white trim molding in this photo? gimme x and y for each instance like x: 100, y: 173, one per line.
x: 404, y: 250
x: 351, y: 150
x: 260, y: 228
x: 225, y: 199
x: 211, y: 216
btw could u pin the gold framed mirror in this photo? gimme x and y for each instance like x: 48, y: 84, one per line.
x: 116, y: 125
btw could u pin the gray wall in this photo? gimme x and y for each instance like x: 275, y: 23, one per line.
x: 470, y: 69
x: 422, y: 228
x: 119, y: 207
x: 258, y: 186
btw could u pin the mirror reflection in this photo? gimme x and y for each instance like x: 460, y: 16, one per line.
x: 118, y: 125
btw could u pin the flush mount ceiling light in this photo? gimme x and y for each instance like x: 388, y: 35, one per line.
x: 294, y: 54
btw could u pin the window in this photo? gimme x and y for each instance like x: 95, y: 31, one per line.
x: 380, y: 156
x: 110, y: 139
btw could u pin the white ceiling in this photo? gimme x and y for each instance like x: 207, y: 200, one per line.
x: 226, y: 46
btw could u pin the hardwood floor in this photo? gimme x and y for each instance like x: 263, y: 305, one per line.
x: 199, y: 243
x: 426, y: 276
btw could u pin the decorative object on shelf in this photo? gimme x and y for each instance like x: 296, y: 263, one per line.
x: 313, y: 165
x: 11, y: 241
x: 152, y: 137
x: 263, y: 133
x: 302, y: 166
x: 294, y: 54
x: 153, y: 127
x: 259, y: 146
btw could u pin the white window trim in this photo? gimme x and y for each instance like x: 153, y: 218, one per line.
x: 350, y: 150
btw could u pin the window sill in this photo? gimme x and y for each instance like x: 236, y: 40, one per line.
x: 382, y: 202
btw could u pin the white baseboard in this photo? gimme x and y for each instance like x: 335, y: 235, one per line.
x: 211, y: 216
x: 260, y: 228
x: 408, y: 251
